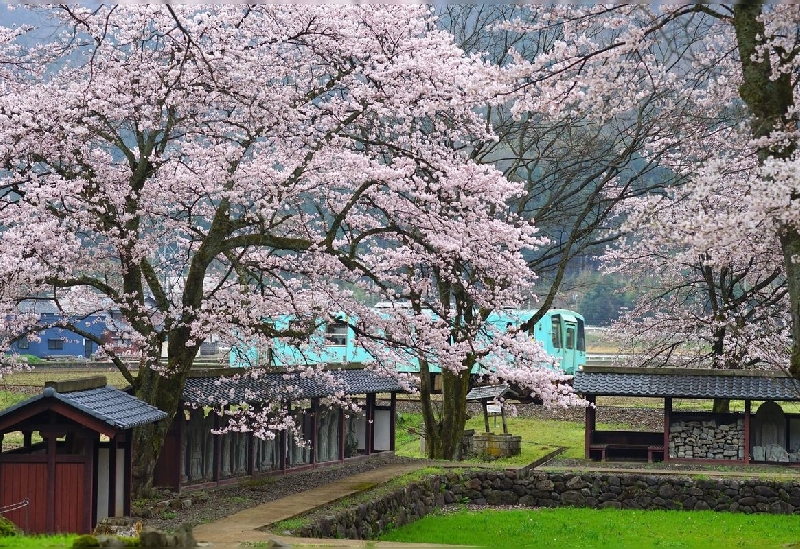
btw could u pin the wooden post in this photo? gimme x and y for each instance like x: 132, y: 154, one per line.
x: 393, y: 420
x: 589, y: 425
x: 217, y: 470
x: 284, y: 441
x: 503, y: 416
x: 485, y: 405
x: 92, y: 441
x: 112, y: 476
x: 314, y: 433
x: 667, y: 414
x: 126, y: 490
x: 747, y: 412
x: 342, y: 435
x: 369, y: 423
x: 50, y: 511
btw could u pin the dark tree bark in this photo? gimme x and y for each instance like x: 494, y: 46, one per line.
x: 770, y: 102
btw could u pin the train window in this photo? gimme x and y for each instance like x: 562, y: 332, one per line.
x: 570, y: 337
x: 581, y: 336
x: 556, y: 331
x: 336, y: 333
x: 23, y: 343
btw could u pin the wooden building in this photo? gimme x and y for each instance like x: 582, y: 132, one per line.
x: 80, y: 471
x: 766, y: 435
x: 194, y: 457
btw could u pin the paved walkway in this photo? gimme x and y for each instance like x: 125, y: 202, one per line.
x: 251, y: 526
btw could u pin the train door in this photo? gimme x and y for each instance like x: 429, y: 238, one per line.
x: 567, y: 333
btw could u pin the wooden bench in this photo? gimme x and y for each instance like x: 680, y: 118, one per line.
x: 627, y: 443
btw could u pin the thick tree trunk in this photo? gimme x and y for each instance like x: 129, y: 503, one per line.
x: 164, y: 392
x: 790, y: 242
x: 721, y: 406
x: 770, y: 101
x: 444, y: 436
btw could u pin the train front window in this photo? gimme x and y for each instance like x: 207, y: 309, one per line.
x: 556, y: 324
x: 336, y: 333
x: 570, y: 337
x: 581, y: 336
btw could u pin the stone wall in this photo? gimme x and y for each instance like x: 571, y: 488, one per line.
x: 706, y: 439
x: 496, y: 445
x: 541, y: 489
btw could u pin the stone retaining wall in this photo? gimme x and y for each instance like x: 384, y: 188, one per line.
x: 540, y: 489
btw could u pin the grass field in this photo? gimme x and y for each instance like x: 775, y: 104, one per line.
x: 37, y: 542
x: 539, y: 437
x: 602, y: 529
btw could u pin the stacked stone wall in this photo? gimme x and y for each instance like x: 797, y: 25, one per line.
x: 706, y: 439
x: 541, y: 489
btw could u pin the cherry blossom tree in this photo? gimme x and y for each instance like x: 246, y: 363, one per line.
x: 201, y: 171
x: 578, y: 161
x: 722, y: 305
x: 707, y: 61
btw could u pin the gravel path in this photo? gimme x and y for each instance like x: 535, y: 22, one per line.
x: 167, y: 511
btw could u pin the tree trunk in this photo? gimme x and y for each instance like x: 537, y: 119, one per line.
x: 790, y: 241
x: 165, y: 393
x: 444, y: 436
x: 770, y: 101
x: 721, y: 406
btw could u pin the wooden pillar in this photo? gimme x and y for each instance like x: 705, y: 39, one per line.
x: 485, y: 406
x: 747, y: 412
x: 284, y: 442
x: 251, y: 453
x: 314, y: 433
x: 26, y: 438
x: 393, y: 420
x: 91, y: 443
x: 217, y: 470
x: 667, y: 414
x: 590, y: 423
x: 369, y: 423
x: 112, y: 476
x: 128, y: 459
x: 50, y: 511
x: 182, y: 424
x: 342, y: 435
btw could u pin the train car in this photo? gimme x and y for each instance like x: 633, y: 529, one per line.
x: 560, y: 331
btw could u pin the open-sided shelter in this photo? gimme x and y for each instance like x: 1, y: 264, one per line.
x: 79, y: 473
x: 768, y: 435
x: 193, y: 456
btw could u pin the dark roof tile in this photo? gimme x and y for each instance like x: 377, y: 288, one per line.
x: 108, y: 404
x: 744, y: 387
x: 254, y: 387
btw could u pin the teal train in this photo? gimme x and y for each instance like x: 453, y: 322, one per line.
x: 560, y: 331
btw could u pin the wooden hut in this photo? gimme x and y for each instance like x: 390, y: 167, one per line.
x: 768, y: 435
x: 195, y: 457
x: 80, y: 471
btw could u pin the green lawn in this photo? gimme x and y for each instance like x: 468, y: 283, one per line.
x: 602, y: 529
x: 539, y: 437
x: 37, y: 542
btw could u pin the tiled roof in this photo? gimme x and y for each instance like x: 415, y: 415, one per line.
x: 737, y: 387
x: 487, y: 392
x: 108, y: 404
x: 248, y: 387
